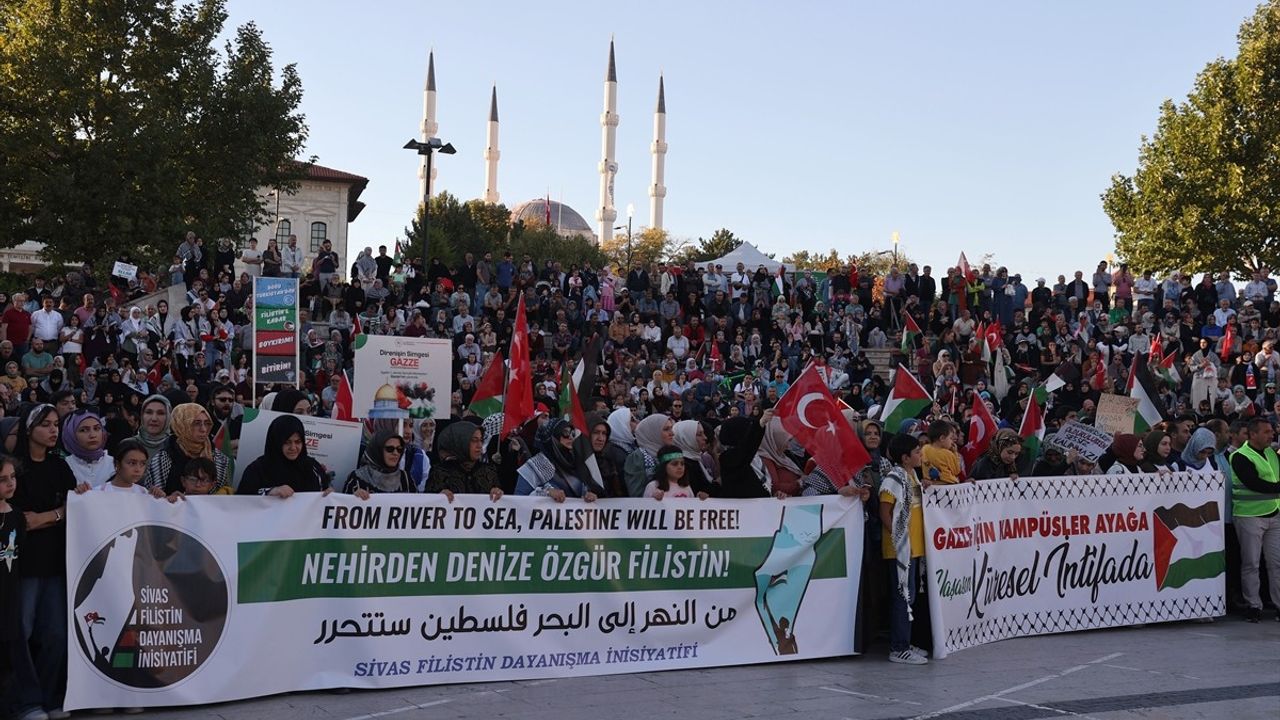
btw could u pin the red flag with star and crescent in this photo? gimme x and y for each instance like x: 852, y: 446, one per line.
x: 518, y: 407
x: 810, y: 414
x: 982, y: 426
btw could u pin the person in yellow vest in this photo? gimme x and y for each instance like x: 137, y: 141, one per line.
x: 1255, y: 494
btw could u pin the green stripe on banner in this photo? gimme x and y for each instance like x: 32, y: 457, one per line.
x: 1209, y: 565
x: 277, y: 570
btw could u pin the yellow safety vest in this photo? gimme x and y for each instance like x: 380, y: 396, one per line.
x: 1246, y: 502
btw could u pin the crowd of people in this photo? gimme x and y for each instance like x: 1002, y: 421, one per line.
x: 101, y: 392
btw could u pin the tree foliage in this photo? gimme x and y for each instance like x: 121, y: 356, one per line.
x: 457, y: 228
x: 721, y: 243
x: 124, y: 126
x: 1206, y: 194
x: 647, y: 246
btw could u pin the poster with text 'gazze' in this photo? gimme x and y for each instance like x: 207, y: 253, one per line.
x: 401, y: 377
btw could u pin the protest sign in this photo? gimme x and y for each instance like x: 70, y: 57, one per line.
x: 1045, y: 555
x: 221, y: 598
x: 402, y: 377
x: 275, y: 330
x: 124, y: 270
x: 335, y: 444
x: 1115, y: 413
x: 1090, y: 442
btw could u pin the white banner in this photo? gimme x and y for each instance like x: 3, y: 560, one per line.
x: 1090, y: 442
x: 335, y: 444
x: 124, y: 270
x: 221, y: 598
x: 400, y: 377
x: 1010, y: 558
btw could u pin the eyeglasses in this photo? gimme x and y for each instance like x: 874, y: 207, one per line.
x: 197, y: 480
x: 397, y: 449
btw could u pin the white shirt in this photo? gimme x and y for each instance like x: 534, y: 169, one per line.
x: 46, y: 324
x: 96, y: 473
x: 291, y: 259
x: 254, y: 268
x: 132, y: 489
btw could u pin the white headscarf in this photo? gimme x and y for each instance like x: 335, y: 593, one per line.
x: 649, y: 433
x: 620, y: 429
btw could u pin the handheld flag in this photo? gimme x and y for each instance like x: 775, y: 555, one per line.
x: 356, y: 328
x: 907, y: 400
x: 1151, y: 410
x: 910, y: 332
x: 519, y: 395
x: 344, y: 402
x: 488, y: 397
x: 1032, y: 429
x: 570, y: 408
x: 810, y: 414
x: 222, y: 441
x: 982, y: 427
x: 969, y: 274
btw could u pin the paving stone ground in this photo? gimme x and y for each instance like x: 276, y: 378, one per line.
x: 1229, y: 670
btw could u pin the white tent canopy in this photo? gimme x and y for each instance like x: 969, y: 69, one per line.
x: 749, y: 256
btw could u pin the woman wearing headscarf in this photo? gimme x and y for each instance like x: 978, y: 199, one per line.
x: 553, y: 472
x: 651, y: 434
x: 691, y: 438
x: 782, y: 470
x: 85, y: 440
x: 595, y: 465
x: 1157, y: 453
x: 153, y: 429
x: 291, y: 401
x: 285, y: 467
x: 379, y: 470
x: 134, y: 332
x: 1129, y: 452
x: 1055, y: 460
x: 1199, y: 453
x: 1001, y: 460
x: 459, y: 447
x: 622, y: 439
x: 190, y: 425
x: 742, y: 474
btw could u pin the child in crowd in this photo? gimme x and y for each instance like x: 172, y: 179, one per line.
x: 902, y: 543
x: 670, y: 479
x: 131, y: 465
x: 13, y: 532
x: 198, y: 478
x: 941, y: 461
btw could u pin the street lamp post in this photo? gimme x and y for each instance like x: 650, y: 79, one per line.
x: 428, y: 148
x: 895, y: 247
x: 631, y: 211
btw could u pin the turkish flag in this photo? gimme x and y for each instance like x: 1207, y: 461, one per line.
x: 994, y: 334
x: 810, y: 414
x: 518, y: 406
x: 982, y: 426
x: 344, y: 402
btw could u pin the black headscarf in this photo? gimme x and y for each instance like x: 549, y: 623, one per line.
x: 374, y: 470
x: 274, y: 469
x: 286, y: 400
x: 547, y: 442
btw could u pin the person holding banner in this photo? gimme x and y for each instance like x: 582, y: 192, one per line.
x: 556, y: 471
x: 460, y: 446
x: 379, y: 470
x: 1001, y: 458
x: 902, y: 544
x: 1129, y: 452
x: 285, y: 467
x: 85, y: 440
x: 153, y: 430
x: 651, y: 434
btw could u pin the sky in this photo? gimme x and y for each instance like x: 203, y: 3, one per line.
x: 988, y: 127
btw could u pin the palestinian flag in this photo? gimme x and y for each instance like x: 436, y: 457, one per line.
x: 1067, y: 372
x: 907, y: 400
x: 222, y: 441
x: 1170, y: 372
x: 398, y: 258
x: 1151, y: 410
x: 570, y: 408
x: 488, y: 396
x: 1188, y: 544
x: 1032, y: 429
x: 910, y: 332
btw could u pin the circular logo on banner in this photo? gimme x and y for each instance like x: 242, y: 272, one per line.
x: 150, y: 607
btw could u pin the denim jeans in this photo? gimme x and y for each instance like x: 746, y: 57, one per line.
x: 899, y: 622
x: 40, y: 658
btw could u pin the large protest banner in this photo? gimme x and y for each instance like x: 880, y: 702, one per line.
x: 335, y: 444
x: 1011, y: 558
x: 401, y: 377
x: 221, y: 598
x: 275, y: 330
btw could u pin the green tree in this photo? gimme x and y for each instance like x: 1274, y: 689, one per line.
x: 805, y: 260
x: 647, y: 246
x: 124, y: 126
x: 721, y: 243
x: 542, y: 242
x: 1206, y: 194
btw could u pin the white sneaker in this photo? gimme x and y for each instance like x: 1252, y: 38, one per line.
x: 919, y: 651
x: 906, y: 657
x: 34, y: 714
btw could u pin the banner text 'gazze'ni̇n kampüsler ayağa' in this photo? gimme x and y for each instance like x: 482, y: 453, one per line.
x: 221, y: 598
x: 1010, y: 558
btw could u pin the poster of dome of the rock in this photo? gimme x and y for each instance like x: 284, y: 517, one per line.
x: 401, y: 377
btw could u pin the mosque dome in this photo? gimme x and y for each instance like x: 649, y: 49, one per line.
x: 565, y: 219
x: 386, y: 392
